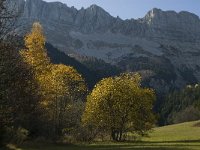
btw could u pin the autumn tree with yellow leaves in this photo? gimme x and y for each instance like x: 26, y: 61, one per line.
x: 120, y: 105
x: 60, y: 86
x: 35, y: 53
x: 68, y: 90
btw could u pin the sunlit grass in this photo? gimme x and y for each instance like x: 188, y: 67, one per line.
x: 179, y: 132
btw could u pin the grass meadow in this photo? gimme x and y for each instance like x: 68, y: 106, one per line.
x: 184, y: 136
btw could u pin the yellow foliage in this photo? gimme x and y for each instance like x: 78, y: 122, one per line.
x: 35, y: 54
x: 120, y: 103
x: 59, y: 85
x: 35, y: 40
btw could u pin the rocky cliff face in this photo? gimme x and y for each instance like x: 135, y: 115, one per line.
x: 165, y: 42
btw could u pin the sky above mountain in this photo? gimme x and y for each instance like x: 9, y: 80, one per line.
x: 127, y: 9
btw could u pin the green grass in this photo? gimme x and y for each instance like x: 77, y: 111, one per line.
x: 185, y: 136
x: 180, y: 132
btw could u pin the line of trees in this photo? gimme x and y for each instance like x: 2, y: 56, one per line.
x: 15, y: 93
x: 35, y: 94
x: 41, y: 99
x: 182, y: 105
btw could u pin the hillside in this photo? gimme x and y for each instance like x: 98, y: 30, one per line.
x: 183, y: 132
x: 58, y: 57
x: 91, y: 69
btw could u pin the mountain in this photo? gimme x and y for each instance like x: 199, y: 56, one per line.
x: 88, y: 67
x: 58, y: 57
x: 164, y: 45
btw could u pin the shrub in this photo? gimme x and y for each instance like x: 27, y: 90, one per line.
x: 19, y: 135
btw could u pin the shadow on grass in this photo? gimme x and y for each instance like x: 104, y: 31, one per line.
x: 154, y: 142
x: 126, y: 146
x: 180, y: 145
x: 132, y: 148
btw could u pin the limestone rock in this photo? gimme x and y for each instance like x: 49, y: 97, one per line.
x: 93, y: 32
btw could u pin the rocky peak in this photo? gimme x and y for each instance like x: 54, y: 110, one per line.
x: 52, y: 11
x: 157, y: 15
x: 182, y: 26
x: 153, y: 13
x: 96, y: 10
x: 95, y: 7
x: 93, y: 18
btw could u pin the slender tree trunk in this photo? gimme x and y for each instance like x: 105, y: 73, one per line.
x: 114, y: 134
x: 117, y: 135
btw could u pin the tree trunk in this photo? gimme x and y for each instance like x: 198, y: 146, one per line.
x: 113, y: 134
x: 116, y: 135
x: 120, y: 135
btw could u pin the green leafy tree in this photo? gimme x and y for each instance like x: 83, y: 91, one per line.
x: 120, y: 105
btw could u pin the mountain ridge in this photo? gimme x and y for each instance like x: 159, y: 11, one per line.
x: 95, y: 5
x: 165, y: 42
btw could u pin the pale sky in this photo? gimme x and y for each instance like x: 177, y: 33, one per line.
x: 127, y: 9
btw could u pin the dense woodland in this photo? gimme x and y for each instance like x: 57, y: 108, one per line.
x: 181, y: 105
x: 41, y: 97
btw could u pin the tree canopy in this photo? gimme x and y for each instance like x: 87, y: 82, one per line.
x: 59, y: 85
x: 120, y: 105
